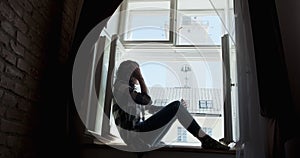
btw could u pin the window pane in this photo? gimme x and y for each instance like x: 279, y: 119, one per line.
x: 200, y: 4
x: 194, y: 4
x: 181, y: 134
x: 148, y: 5
x: 207, y: 130
x: 199, y: 28
x: 209, y: 104
x: 184, y: 136
x: 202, y: 104
x: 147, y: 21
x: 98, y: 126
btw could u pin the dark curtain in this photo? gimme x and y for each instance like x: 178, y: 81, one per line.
x: 273, y: 83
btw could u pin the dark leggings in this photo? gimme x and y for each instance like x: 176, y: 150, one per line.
x: 166, y: 115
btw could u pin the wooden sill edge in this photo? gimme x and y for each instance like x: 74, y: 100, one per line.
x: 101, y: 142
x: 171, y: 148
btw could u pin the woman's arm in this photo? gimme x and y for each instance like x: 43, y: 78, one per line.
x: 140, y: 78
x: 143, y: 97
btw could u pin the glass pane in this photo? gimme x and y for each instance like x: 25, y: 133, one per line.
x: 202, y: 104
x: 148, y: 5
x: 226, y: 15
x: 102, y: 85
x: 147, y: 21
x: 209, y: 104
x: 144, y: 25
x: 199, y: 28
x: 200, y: 4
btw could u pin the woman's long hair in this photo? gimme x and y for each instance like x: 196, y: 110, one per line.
x: 125, y: 71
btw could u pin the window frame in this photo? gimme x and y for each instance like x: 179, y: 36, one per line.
x: 163, y: 42
x: 206, y: 107
x: 173, y: 35
x: 123, y: 20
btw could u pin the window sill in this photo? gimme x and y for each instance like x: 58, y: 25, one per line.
x: 99, y: 142
x: 169, y: 148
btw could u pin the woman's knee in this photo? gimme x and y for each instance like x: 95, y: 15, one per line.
x: 175, y: 104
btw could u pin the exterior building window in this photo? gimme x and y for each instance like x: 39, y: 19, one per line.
x: 181, y: 134
x: 207, y: 130
x: 205, y: 104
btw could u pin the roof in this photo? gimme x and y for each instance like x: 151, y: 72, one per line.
x: 199, y: 100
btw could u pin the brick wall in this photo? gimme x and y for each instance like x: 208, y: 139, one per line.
x: 35, y: 39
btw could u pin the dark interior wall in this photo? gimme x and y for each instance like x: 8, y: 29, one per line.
x: 38, y: 47
x: 35, y: 41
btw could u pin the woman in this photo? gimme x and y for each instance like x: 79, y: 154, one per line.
x: 129, y: 106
